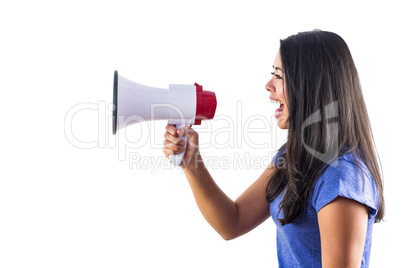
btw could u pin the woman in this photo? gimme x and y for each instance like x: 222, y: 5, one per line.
x: 323, y: 188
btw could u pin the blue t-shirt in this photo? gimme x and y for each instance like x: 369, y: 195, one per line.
x: 298, y: 243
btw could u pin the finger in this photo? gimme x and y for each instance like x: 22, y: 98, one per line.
x: 172, y: 146
x: 167, y: 155
x: 173, y: 139
x: 172, y: 130
x: 168, y: 151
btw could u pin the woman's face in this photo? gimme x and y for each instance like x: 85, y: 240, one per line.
x: 276, y: 86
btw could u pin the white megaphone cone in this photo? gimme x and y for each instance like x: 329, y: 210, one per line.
x: 181, y: 105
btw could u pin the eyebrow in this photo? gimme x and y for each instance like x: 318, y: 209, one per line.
x: 277, y: 68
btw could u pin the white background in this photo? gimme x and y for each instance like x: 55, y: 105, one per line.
x: 65, y: 206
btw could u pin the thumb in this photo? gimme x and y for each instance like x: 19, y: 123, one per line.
x: 188, y: 132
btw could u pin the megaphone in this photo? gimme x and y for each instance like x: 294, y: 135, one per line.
x: 180, y: 104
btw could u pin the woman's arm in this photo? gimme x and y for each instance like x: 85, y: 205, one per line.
x: 230, y: 219
x: 343, y: 226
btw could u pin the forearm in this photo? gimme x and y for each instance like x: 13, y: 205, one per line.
x: 216, y: 207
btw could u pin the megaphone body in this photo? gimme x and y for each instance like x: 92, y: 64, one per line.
x: 180, y: 104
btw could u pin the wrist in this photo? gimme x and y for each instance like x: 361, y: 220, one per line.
x: 194, y: 165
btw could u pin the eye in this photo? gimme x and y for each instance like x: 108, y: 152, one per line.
x: 276, y: 75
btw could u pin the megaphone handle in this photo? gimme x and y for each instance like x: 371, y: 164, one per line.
x: 177, y: 159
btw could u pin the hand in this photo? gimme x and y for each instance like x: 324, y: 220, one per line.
x: 174, y: 145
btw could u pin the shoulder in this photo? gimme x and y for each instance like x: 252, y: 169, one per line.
x: 347, y: 177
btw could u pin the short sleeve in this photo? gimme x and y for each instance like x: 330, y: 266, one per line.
x: 346, y: 180
x: 277, y: 156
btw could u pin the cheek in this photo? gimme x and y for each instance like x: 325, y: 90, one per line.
x: 281, y: 92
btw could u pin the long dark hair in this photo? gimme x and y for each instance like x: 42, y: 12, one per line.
x: 327, y: 119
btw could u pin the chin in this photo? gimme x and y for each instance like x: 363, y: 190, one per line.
x: 282, y: 124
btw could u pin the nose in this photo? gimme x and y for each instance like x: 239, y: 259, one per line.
x: 270, y: 86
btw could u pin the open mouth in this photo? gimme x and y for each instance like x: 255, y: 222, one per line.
x: 279, y: 111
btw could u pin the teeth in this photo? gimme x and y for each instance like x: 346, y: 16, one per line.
x: 275, y: 101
